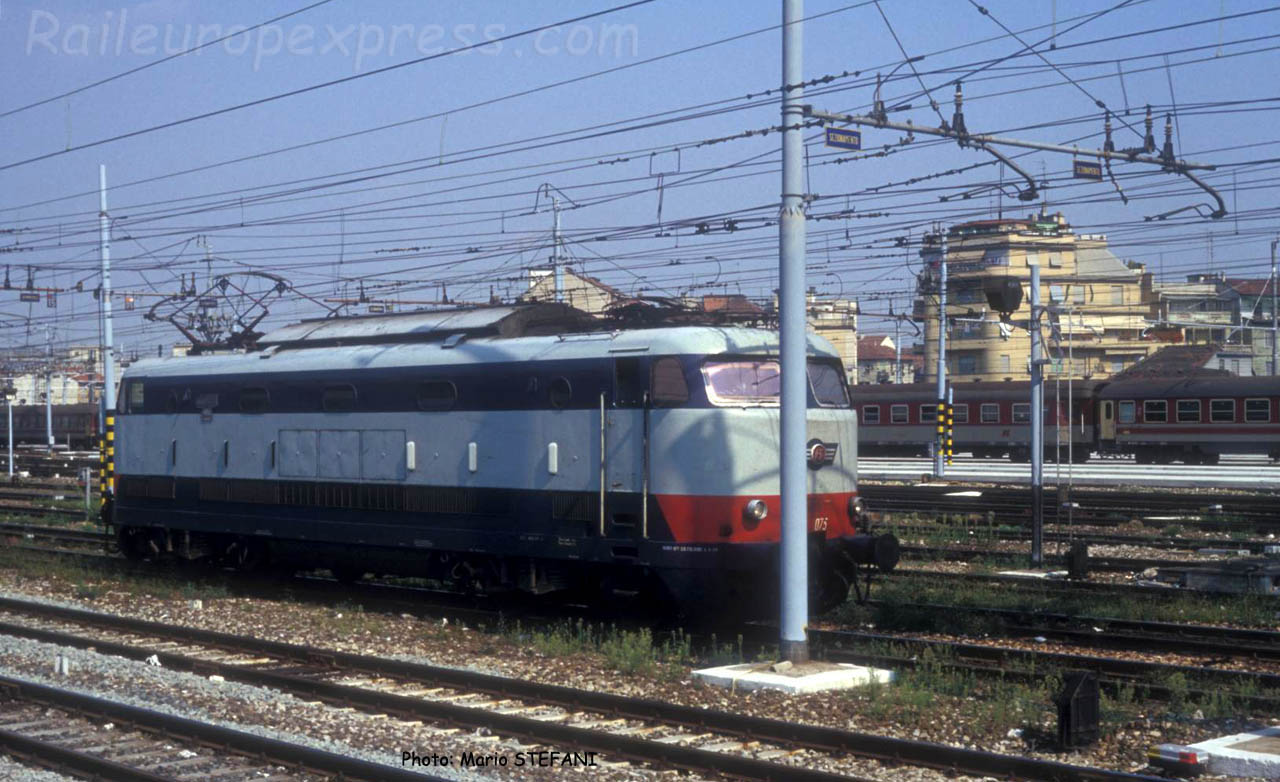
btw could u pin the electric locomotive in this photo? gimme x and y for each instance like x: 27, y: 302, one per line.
x: 527, y: 447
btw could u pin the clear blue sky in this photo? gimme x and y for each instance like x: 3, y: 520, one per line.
x: 463, y: 216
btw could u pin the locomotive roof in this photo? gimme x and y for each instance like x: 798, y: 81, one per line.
x: 485, y: 348
x: 1193, y: 386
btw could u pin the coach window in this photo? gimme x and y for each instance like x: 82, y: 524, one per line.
x: 1222, y: 411
x: 436, y: 395
x: 1155, y: 412
x: 1126, y: 412
x: 960, y: 414
x: 338, y: 399
x: 1021, y: 413
x: 928, y: 414
x: 254, y: 400
x: 1257, y: 410
x: 898, y: 414
x: 668, y: 387
x: 1188, y: 411
x: 990, y: 412
x: 871, y: 414
x: 559, y: 393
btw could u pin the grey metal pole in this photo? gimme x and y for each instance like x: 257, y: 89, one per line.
x: 48, y: 386
x: 1037, y: 424
x: 939, y: 458
x: 897, y: 349
x: 10, y: 401
x: 1275, y: 314
x: 794, y: 642
x: 108, y: 363
x: 557, y: 271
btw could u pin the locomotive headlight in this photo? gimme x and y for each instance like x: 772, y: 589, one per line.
x: 755, y: 510
x: 855, y: 507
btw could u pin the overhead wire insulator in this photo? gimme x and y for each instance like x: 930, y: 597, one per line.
x: 1166, y: 154
x: 1149, y: 141
x: 957, y: 119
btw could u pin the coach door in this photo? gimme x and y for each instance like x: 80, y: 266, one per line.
x: 1108, y: 422
x: 624, y: 441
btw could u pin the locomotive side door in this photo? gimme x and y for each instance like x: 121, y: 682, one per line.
x: 624, y: 438
x: 1108, y: 420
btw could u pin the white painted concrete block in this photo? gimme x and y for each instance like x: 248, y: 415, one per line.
x: 797, y: 680
x: 1254, y: 754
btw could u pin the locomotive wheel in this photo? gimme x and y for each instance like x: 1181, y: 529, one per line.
x: 247, y: 555
x: 346, y: 574
x: 136, y: 543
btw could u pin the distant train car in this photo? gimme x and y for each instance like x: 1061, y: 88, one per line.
x: 524, y: 448
x: 75, y: 426
x: 990, y: 420
x: 1190, y: 419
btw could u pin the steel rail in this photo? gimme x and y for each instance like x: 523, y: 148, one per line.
x: 894, y: 750
x: 241, y: 743
x: 46, y: 754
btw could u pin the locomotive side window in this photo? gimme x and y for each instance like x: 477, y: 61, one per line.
x: 1022, y: 413
x: 628, y: 382
x: 898, y: 414
x: 1155, y: 412
x: 827, y: 385
x: 436, y: 395
x: 1257, y: 410
x: 559, y: 393
x: 1188, y: 411
x: 990, y: 413
x: 1222, y: 411
x: 1127, y: 413
x: 733, y: 383
x: 338, y: 399
x: 254, y: 400
x: 668, y: 387
x: 133, y: 397
x: 871, y: 414
x: 928, y: 414
x: 960, y: 414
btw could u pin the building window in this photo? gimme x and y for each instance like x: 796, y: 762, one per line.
x: 995, y: 257
x: 960, y: 414
x: 1117, y: 365
x: 1055, y: 260
x: 1006, y: 364
x: 1077, y: 292
x: 1126, y: 412
x: 1033, y: 258
x: 1117, y: 295
x: 1222, y: 411
x: 1021, y: 413
x: 871, y: 414
x: 898, y: 414
x: 1055, y: 293
x: 967, y: 365
x: 990, y: 413
x: 1188, y: 411
x: 1257, y: 410
x: 1155, y: 412
x: 928, y: 414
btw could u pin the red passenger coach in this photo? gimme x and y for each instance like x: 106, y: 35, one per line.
x: 1193, y: 420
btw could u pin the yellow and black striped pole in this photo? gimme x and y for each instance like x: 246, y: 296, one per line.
x: 110, y: 453
x: 941, y: 420
x: 951, y: 429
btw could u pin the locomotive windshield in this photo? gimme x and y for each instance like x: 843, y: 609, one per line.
x: 747, y: 382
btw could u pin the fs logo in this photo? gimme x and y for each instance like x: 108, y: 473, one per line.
x: 820, y: 454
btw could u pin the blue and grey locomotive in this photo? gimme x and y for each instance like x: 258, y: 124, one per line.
x: 527, y: 447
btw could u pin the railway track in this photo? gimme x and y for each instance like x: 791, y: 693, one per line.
x: 64, y: 731
x: 1100, y: 564
x: 633, y: 729
x: 960, y: 532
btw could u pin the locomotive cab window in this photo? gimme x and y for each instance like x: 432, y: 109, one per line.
x: 254, y: 400
x: 735, y: 383
x: 1257, y: 410
x: 827, y: 385
x: 559, y: 392
x: 668, y: 387
x: 338, y: 399
x: 960, y: 414
x: 1022, y: 413
x: 898, y: 414
x: 1188, y: 411
x: 1155, y: 412
x: 436, y: 395
x: 133, y: 397
x: 1222, y: 411
x: 1127, y: 412
x: 871, y: 414
x: 990, y: 413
